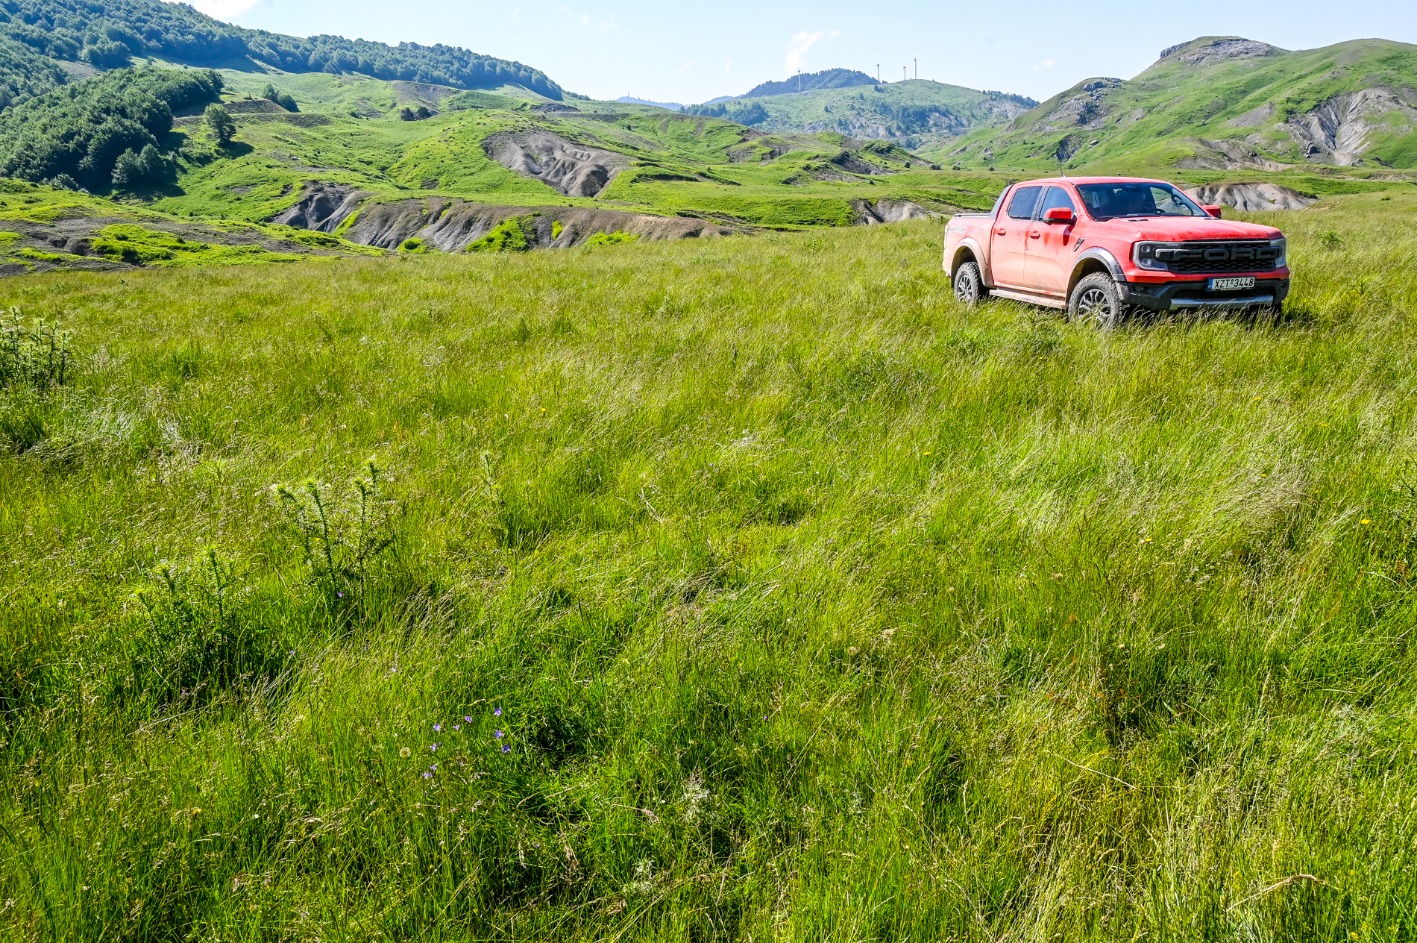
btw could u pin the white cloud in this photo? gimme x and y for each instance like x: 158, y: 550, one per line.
x: 588, y: 20
x: 1045, y: 64
x: 225, y: 9
x: 802, y: 44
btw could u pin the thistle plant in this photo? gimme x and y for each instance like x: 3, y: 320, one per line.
x: 192, y: 638
x: 33, y: 355
x: 342, y: 537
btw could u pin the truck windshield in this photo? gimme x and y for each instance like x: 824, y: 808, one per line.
x: 1115, y: 200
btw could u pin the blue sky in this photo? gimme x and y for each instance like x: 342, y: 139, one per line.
x: 691, y: 52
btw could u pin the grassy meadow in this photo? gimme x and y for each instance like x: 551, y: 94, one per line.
x: 747, y: 589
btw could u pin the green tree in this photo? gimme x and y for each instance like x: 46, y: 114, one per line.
x: 107, y: 54
x: 127, y: 170
x: 156, y: 166
x: 219, y: 120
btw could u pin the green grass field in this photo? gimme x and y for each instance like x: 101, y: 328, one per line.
x: 738, y: 590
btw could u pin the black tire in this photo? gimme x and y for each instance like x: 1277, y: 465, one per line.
x: 969, y: 285
x: 1097, y: 301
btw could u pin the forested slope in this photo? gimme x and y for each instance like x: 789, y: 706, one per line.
x: 108, y: 34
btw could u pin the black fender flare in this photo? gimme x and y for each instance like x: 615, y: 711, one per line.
x: 953, y: 263
x: 1108, y: 260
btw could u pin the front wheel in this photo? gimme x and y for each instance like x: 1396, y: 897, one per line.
x: 969, y: 285
x: 1097, y: 301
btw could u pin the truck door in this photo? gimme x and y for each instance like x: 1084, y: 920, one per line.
x: 1050, y: 246
x: 1008, y: 245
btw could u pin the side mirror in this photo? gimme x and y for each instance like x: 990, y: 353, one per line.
x: 1217, y: 211
x: 1059, y: 215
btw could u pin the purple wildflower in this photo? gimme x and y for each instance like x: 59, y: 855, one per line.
x: 437, y: 728
x: 498, y: 734
x: 457, y: 727
x: 435, y: 747
x: 427, y: 775
x: 497, y: 712
x: 341, y: 594
x: 506, y: 748
x: 467, y: 720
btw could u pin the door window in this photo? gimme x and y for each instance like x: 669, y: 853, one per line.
x: 1057, y: 199
x: 1024, y: 202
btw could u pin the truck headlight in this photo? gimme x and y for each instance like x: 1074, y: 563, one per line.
x: 1283, y: 246
x: 1145, y: 256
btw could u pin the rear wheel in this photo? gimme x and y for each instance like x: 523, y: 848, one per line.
x: 1097, y: 301
x: 969, y: 285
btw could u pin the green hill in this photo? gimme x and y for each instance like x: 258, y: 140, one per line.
x: 913, y: 113
x: 413, y: 148
x: 483, y: 170
x: 1222, y: 103
x: 401, y: 148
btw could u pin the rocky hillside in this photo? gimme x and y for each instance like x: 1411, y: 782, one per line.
x: 1222, y: 103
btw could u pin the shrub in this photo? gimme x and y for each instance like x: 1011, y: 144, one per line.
x: 513, y: 235
x: 611, y: 238
x: 283, y: 99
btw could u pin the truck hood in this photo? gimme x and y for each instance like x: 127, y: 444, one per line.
x: 1186, y: 229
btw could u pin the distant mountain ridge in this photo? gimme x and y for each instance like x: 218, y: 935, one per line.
x: 812, y: 82
x: 108, y: 33
x: 912, y: 113
x: 667, y: 106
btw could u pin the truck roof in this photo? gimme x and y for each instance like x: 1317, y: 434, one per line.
x: 1077, y: 180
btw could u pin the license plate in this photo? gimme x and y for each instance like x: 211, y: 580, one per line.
x: 1231, y: 284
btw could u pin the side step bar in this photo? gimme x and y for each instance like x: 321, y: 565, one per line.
x: 1028, y: 298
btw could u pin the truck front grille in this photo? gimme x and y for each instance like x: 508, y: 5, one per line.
x: 1219, y: 258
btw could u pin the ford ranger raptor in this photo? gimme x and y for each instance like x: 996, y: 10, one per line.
x: 1099, y: 247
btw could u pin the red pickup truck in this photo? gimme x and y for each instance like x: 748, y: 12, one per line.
x: 1099, y: 247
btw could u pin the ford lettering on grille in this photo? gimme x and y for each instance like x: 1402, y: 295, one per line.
x: 1220, y: 257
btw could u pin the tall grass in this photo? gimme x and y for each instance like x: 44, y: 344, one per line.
x: 756, y: 591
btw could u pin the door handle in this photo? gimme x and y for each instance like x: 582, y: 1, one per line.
x: 1035, y: 235
x: 1001, y: 232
